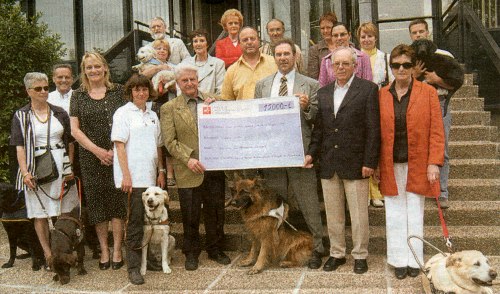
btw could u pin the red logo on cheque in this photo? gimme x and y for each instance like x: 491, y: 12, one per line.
x: 207, y: 110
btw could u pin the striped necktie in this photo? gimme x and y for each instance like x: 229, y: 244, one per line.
x: 283, y: 87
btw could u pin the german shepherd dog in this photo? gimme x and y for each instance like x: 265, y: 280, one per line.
x: 273, y: 241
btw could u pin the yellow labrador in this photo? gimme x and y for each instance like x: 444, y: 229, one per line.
x: 156, y: 229
x: 462, y: 272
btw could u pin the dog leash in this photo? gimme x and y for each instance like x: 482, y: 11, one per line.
x: 446, y: 234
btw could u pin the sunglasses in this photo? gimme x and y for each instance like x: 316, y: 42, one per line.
x: 39, y: 89
x: 406, y: 65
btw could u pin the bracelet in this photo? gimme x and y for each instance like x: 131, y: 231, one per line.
x: 27, y: 173
x: 162, y: 170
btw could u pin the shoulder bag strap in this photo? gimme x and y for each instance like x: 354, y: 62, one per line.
x: 48, y: 131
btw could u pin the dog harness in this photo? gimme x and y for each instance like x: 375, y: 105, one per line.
x: 78, y: 231
x: 278, y: 213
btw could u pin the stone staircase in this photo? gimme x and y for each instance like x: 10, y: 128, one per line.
x: 474, y: 187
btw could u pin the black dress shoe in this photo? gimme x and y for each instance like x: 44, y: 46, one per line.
x: 315, y: 261
x: 117, y: 265
x: 333, y: 263
x: 219, y: 257
x: 413, y: 272
x: 360, y: 266
x: 104, y: 265
x: 135, y: 278
x: 191, y: 262
x: 400, y: 272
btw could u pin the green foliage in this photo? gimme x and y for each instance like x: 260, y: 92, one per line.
x: 26, y: 45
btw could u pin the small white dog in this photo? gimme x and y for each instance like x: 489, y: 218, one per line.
x: 147, y: 58
x: 156, y: 229
x: 462, y: 272
x: 163, y: 80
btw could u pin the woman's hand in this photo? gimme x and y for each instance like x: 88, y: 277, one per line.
x: 69, y: 177
x: 160, y: 180
x: 432, y: 173
x: 29, y: 181
x: 376, y: 176
x: 106, y: 156
x: 308, y: 162
x: 126, y: 183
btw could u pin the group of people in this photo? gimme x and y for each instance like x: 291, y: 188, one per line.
x: 366, y: 119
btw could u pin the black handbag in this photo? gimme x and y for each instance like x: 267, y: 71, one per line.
x: 45, y: 165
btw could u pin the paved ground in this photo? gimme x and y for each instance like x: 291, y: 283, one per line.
x: 210, y: 278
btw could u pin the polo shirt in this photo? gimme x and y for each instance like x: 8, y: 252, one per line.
x: 140, y: 131
x: 239, y: 82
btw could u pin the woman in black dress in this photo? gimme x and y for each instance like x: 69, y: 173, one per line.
x: 91, y: 110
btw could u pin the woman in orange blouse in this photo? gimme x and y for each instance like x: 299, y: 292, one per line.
x: 412, y: 149
x: 228, y: 49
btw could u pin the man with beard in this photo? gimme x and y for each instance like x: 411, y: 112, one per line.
x: 178, y: 51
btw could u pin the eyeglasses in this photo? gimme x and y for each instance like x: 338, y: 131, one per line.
x: 341, y: 35
x: 344, y: 64
x: 39, y: 89
x: 406, y: 65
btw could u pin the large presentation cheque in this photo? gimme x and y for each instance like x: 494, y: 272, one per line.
x: 256, y: 133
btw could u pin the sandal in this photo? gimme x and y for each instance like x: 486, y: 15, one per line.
x: 171, y: 182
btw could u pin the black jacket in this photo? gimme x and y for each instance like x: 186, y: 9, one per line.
x: 351, y: 140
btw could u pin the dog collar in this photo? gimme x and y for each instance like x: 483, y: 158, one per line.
x: 435, y: 291
x: 151, y: 220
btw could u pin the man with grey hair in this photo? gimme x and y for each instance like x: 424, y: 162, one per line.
x: 196, y: 186
x: 276, y: 30
x: 178, y: 51
x: 62, y: 76
x: 346, y: 140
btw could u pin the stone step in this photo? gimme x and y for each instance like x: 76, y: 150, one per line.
x: 472, y: 149
x: 460, y: 213
x: 474, y: 189
x: 474, y: 168
x: 482, y: 238
x: 464, y: 118
x: 468, y: 104
x: 473, y: 133
x: 467, y: 91
x: 468, y: 80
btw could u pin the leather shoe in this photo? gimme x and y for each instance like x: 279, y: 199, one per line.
x: 443, y: 202
x: 135, y: 278
x: 315, y: 261
x: 413, y: 272
x: 191, y: 262
x: 117, y: 265
x: 401, y: 272
x: 333, y: 263
x: 360, y: 266
x: 219, y: 257
x: 104, y: 265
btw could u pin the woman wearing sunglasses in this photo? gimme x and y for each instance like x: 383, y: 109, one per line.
x: 33, y: 126
x: 412, y: 149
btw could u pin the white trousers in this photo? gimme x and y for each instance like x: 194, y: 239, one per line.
x: 404, y: 216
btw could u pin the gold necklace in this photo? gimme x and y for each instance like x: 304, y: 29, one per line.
x: 38, y: 118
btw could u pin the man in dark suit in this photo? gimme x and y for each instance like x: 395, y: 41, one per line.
x: 288, y: 82
x: 196, y: 186
x: 346, y: 140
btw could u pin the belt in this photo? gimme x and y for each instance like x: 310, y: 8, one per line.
x: 57, y: 146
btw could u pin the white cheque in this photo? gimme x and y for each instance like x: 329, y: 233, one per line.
x: 256, y: 133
